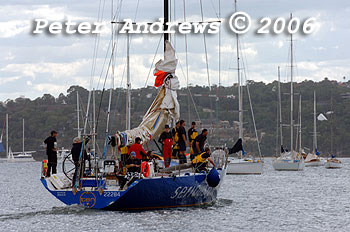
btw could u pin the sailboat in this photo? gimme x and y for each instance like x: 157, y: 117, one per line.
x: 313, y: 158
x: 332, y: 163
x: 242, y: 165
x: 108, y: 186
x: 22, y: 156
x: 289, y: 160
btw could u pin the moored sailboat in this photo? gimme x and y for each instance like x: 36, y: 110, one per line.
x: 243, y: 165
x: 313, y: 158
x: 289, y: 161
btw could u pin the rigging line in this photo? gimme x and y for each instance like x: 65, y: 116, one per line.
x: 220, y: 45
x: 183, y: 73
x: 186, y: 53
x: 97, y: 43
x: 207, y: 62
x: 118, y: 10
x: 217, y: 14
x: 154, y: 57
x: 112, y: 76
x: 137, y: 8
x: 108, y: 49
x: 103, y: 90
x: 205, y: 46
x: 103, y: 65
x: 249, y: 98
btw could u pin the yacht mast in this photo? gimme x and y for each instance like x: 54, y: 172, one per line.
x: 240, y: 104
x: 315, y: 132
x: 23, y: 138
x: 166, y: 20
x: 291, y: 90
x: 78, y: 110
x: 300, y: 123
x: 332, y: 124
x: 280, y: 107
x: 128, y: 84
x: 7, y: 135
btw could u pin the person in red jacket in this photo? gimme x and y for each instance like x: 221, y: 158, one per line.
x: 166, y: 138
x: 138, y: 149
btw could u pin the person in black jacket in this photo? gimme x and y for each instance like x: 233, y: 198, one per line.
x: 76, y: 151
x: 51, y: 151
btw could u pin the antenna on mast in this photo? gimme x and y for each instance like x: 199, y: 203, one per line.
x: 166, y: 20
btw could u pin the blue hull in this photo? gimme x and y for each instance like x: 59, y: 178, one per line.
x: 146, y: 194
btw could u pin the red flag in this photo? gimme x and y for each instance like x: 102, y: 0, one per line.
x: 160, y: 76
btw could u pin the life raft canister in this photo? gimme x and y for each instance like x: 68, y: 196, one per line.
x: 213, y: 178
x: 44, y: 167
x: 145, y: 169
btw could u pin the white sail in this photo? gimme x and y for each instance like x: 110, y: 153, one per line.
x: 164, y: 107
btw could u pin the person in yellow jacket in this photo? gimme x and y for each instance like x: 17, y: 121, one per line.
x: 192, y: 134
x: 176, y: 147
x: 200, y: 162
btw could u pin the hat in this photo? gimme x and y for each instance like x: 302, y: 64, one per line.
x: 76, y: 140
x: 167, y: 126
x: 133, y: 154
x: 53, y: 132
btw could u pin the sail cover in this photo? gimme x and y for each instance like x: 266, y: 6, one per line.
x: 164, y: 107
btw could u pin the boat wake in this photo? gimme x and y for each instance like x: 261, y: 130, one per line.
x: 63, y: 210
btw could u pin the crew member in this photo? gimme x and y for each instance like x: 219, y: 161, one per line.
x: 198, y: 143
x: 200, y: 162
x: 76, y: 151
x: 166, y: 139
x: 182, y: 142
x: 192, y: 134
x: 133, y: 164
x: 176, y: 140
x: 138, y: 149
x: 51, y: 151
x: 149, y: 156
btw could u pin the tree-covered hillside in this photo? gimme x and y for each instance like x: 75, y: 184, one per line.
x: 48, y: 113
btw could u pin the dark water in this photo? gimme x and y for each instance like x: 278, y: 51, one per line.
x: 316, y: 199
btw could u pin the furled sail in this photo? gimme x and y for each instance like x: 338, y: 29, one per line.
x: 164, y: 107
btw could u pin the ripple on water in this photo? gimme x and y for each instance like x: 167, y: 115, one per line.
x: 313, y: 200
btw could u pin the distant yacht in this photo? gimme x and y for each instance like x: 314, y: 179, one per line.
x: 289, y: 161
x: 243, y: 165
x: 23, y: 156
x: 313, y: 158
x: 20, y: 156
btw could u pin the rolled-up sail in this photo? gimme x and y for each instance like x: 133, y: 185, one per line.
x: 164, y: 107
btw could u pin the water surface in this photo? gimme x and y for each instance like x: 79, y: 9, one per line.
x: 315, y: 199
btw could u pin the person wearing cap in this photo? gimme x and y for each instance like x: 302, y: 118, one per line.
x: 76, y: 151
x: 51, y: 152
x: 133, y: 164
x: 192, y: 134
x: 138, y: 149
x: 166, y: 138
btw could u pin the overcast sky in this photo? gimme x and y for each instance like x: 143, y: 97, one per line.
x: 33, y: 65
